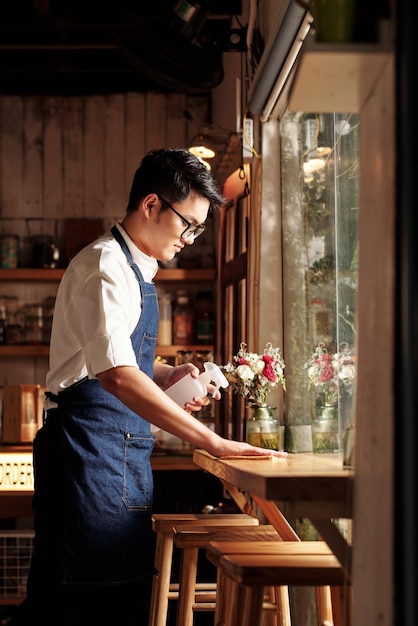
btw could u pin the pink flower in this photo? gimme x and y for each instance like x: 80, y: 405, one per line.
x: 268, y: 371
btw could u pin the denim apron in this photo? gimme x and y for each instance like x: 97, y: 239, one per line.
x: 92, y: 459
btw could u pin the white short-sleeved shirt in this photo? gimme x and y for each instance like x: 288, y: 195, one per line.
x: 97, y: 307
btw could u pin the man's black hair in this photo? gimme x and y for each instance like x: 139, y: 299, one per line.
x: 173, y: 173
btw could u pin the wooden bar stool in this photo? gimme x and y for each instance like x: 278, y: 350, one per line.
x: 191, y: 539
x: 246, y: 568
x: 163, y: 588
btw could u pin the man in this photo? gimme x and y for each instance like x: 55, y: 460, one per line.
x: 94, y: 545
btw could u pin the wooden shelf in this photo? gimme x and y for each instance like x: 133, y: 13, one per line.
x: 43, y: 350
x: 24, y: 350
x: 173, y: 349
x: 198, y: 274
x: 31, y: 274
x: 337, y: 77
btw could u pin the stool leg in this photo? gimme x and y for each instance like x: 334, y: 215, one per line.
x: 283, y: 606
x: 323, y: 606
x: 252, y: 606
x: 234, y: 603
x: 161, y: 580
x: 341, y: 598
x: 187, y: 586
x: 221, y: 595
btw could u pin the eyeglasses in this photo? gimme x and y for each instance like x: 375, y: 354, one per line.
x: 191, y: 230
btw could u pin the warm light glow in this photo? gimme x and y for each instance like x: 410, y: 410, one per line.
x: 202, y: 152
x: 313, y: 165
x: 323, y: 151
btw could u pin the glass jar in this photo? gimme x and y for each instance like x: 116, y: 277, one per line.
x: 263, y: 429
x: 9, y: 251
x: 34, y: 322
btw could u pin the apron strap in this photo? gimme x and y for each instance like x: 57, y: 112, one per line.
x: 115, y: 232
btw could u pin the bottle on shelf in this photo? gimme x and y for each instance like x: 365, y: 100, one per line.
x: 205, y: 319
x: 165, y: 327
x: 183, y: 319
x: 34, y: 321
x: 15, y: 321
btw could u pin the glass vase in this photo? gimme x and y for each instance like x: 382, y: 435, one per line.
x: 325, y: 437
x: 263, y: 429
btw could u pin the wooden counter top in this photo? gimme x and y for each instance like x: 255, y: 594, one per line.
x: 305, y: 477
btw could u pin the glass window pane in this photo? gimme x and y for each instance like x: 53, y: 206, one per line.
x: 319, y: 154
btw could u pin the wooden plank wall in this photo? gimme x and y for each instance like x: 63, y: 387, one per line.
x: 63, y: 157
x: 74, y: 157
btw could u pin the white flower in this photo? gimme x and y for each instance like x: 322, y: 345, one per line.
x: 347, y: 372
x: 313, y: 374
x: 245, y: 373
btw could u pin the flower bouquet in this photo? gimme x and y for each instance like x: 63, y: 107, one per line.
x: 253, y: 375
x: 329, y: 373
x: 323, y: 375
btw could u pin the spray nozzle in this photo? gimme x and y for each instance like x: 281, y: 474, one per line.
x: 213, y: 374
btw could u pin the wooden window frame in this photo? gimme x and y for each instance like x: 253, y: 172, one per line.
x: 232, y: 306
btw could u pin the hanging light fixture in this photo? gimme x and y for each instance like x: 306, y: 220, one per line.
x: 317, y: 146
x: 201, y: 147
x: 209, y: 141
x: 218, y: 149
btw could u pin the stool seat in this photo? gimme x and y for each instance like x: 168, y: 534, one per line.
x: 294, y: 564
x: 185, y: 536
x: 246, y: 568
x: 163, y: 588
x: 164, y: 522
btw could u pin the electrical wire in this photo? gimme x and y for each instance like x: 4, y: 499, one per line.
x: 247, y: 139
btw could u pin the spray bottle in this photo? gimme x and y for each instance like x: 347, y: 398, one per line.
x: 185, y: 389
